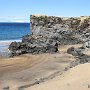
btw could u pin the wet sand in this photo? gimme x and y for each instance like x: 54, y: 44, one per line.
x: 22, y: 72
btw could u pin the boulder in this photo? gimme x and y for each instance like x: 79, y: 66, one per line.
x: 74, y: 51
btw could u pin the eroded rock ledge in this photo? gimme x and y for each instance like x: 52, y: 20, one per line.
x: 49, y: 31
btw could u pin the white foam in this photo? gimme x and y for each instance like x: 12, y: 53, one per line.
x: 7, y: 42
x: 4, y: 46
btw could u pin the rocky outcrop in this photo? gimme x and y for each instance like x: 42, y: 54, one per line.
x: 49, y: 31
x: 78, y: 53
x: 34, y: 45
x: 64, y: 30
x: 74, y: 51
x: 38, y: 23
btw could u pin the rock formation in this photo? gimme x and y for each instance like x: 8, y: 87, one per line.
x: 31, y: 44
x: 49, y: 31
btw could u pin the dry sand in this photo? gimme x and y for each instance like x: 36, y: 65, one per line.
x: 22, y: 72
x: 77, y: 78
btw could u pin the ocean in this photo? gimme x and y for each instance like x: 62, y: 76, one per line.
x: 10, y: 32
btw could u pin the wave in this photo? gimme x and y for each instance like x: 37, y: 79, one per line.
x: 4, y: 44
x: 7, y: 42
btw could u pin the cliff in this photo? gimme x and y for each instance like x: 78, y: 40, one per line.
x: 41, y: 23
x: 49, y: 31
x: 64, y: 30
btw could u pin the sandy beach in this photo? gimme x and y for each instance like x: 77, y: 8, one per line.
x: 77, y: 78
x: 26, y: 71
x: 44, y: 45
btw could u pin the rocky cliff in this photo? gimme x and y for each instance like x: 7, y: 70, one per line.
x: 52, y: 22
x: 49, y: 31
x: 64, y: 30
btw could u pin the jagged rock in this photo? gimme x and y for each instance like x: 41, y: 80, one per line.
x: 33, y: 45
x: 49, y: 31
x: 74, y: 51
x: 80, y: 60
x: 65, y: 31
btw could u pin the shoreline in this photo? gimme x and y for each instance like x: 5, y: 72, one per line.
x: 4, y: 44
x: 27, y: 70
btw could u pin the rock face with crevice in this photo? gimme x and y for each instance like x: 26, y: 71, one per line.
x: 49, y: 31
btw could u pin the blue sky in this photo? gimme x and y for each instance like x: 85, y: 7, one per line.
x: 20, y: 10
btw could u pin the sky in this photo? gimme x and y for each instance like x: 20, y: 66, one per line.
x: 20, y: 10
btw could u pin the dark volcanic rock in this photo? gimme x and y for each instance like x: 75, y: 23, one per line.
x: 80, y: 57
x: 49, y: 31
x: 33, y: 45
x: 65, y: 31
x: 80, y: 60
x: 74, y: 51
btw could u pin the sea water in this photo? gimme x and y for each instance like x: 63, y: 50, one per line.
x: 10, y: 32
